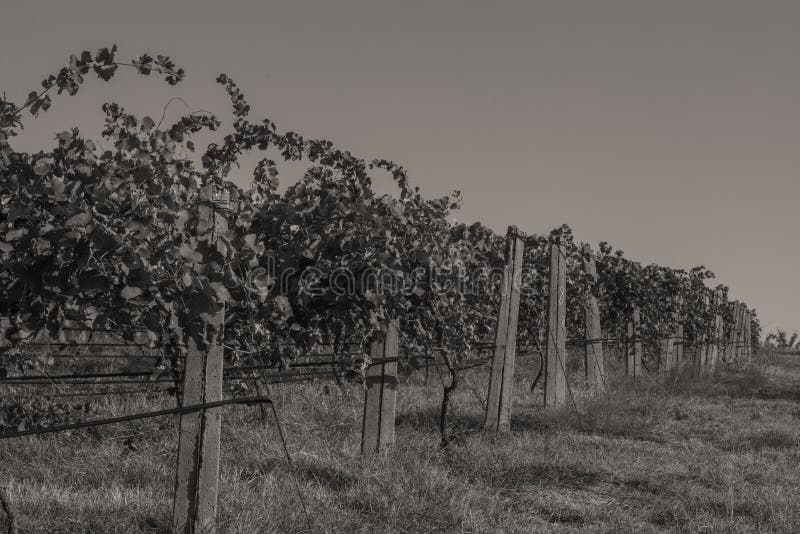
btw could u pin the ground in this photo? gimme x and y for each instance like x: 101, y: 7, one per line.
x: 675, y: 454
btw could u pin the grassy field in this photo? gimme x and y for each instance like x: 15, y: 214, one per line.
x: 718, y: 454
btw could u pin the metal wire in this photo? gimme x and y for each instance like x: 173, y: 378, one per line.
x: 289, y: 461
x: 134, y: 417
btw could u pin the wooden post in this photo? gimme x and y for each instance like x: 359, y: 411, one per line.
x: 727, y: 353
x: 700, y: 361
x: 633, y: 346
x: 593, y: 350
x: 740, y: 334
x: 716, y: 334
x: 666, y: 352
x: 703, y: 347
x: 501, y: 380
x: 742, y: 315
x: 677, y: 357
x: 734, y: 343
x: 5, y: 325
x: 195, y: 505
x: 555, y: 380
x: 8, y: 510
x: 747, y: 333
x: 736, y: 333
x: 380, y: 397
x: 738, y: 338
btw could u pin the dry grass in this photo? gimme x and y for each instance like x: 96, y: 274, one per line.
x: 717, y: 454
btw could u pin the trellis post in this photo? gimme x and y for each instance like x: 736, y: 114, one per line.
x: 195, y: 505
x: 380, y: 397
x: 717, y: 331
x: 593, y: 350
x: 737, y: 328
x: 747, y: 332
x: 555, y: 383
x: 736, y: 333
x: 501, y: 379
x: 740, y: 333
x: 677, y: 356
x: 741, y: 345
x: 750, y: 350
x: 633, y: 346
x: 740, y: 337
x: 727, y: 353
x: 703, y: 346
x: 732, y: 345
x: 666, y: 352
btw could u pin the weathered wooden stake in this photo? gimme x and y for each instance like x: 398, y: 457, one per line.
x: 743, y: 334
x: 380, y: 397
x: 8, y: 510
x: 737, y: 333
x: 700, y: 361
x: 703, y: 348
x: 677, y: 357
x: 666, y: 352
x: 555, y: 380
x: 593, y: 350
x: 501, y: 380
x: 633, y: 346
x: 747, y: 333
x: 727, y: 350
x: 734, y: 336
x: 717, y: 343
x: 195, y: 505
x: 740, y: 333
x: 732, y: 345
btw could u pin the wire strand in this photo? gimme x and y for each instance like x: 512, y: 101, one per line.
x: 134, y: 417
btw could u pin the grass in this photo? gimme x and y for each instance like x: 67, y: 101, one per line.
x: 678, y: 454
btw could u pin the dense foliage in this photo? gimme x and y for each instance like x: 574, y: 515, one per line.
x: 150, y: 233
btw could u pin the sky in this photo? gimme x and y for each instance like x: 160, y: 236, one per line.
x: 669, y: 128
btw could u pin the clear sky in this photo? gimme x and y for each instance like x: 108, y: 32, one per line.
x: 669, y: 128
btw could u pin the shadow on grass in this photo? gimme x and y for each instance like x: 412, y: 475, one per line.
x: 665, y: 484
x: 513, y: 470
x: 539, y: 474
x: 759, y: 441
x: 257, y: 468
x: 330, y: 477
x: 427, y: 419
x: 779, y: 393
x: 579, y: 477
x: 630, y: 411
x: 680, y: 514
x: 379, y: 514
x: 748, y: 383
x: 563, y: 516
x: 151, y: 525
